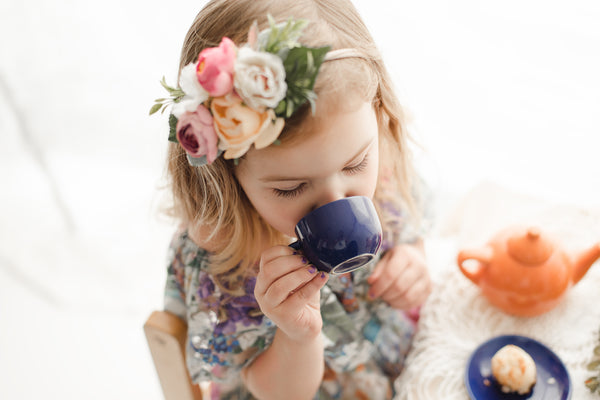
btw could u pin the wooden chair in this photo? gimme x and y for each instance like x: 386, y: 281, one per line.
x: 166, y: 335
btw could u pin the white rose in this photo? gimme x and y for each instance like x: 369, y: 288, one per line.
x: 259, y: 78
x: 194, y: 92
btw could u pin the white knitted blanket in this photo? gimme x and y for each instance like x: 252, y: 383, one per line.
x: 456, y: 318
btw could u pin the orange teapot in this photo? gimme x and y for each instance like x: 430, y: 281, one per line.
x: 523, y: 271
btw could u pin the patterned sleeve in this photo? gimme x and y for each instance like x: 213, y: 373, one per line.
x: 225, y: 332
x: 174, y: 299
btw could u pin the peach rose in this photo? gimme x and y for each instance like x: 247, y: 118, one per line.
x: 196, y: 134
x: 239, y: 126
x: 215, y: 68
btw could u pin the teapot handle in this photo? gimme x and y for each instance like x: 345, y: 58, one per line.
x: 483, y: 257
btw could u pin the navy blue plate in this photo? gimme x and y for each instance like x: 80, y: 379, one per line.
x: 553, y: 381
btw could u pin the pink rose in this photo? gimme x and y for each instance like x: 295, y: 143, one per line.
x: 215, y: 68
x: 196, y: 134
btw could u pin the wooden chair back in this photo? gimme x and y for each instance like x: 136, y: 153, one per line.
x: 166, y: 335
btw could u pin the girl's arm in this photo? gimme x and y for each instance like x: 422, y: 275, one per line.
x: 288, y: 292
x: 288, y: 369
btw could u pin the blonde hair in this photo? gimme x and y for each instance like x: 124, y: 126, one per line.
x: 210, y: 196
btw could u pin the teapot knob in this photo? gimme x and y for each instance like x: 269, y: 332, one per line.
x: 532, y: 248
x: 533, y: 233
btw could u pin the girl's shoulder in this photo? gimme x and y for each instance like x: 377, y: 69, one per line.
x: 184, y: 251
x: 195, y: 239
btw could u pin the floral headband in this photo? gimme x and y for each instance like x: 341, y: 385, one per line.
x: 232, y: 98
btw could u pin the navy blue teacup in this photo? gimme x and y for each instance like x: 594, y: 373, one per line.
x: 340, y: 236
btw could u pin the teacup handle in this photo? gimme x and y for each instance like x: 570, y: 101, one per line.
x: 483, y: 256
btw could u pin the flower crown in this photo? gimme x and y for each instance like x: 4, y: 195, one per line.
x: 234, y: 97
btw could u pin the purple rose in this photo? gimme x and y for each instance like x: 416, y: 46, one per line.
x: 196, y: 134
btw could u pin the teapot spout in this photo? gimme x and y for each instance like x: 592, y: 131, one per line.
x: 584, y: 261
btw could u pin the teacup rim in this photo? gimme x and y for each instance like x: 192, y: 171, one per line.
x: 326, y: 205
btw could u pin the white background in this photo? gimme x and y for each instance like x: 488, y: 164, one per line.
x: 504, y: 92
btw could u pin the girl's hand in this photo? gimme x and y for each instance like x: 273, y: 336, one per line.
x: 401, y: 277
x: 288, y: 292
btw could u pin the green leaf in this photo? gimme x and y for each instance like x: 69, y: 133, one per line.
x: 163, y: 82
x: 301, y: 65
x: 289, y: 109
x: 174, y: 92
x: 279, y: 38
x: 280, y: 109
x: 155, y: 108
x: 313, y: 105
x: 291, y: 32
x: 173, y: 128
x: 310, y: 62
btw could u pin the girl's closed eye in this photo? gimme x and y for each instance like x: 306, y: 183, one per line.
x: 357, y: 168
x: 290, y: 193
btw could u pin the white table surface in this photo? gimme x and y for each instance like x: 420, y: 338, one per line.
x: 457, y: 318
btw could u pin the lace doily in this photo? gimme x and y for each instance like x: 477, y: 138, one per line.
x: 456, y: 319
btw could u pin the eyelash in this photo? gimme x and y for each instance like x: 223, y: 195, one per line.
x: 290, y: 193
x: 357, y: 168
x: 300, y: 188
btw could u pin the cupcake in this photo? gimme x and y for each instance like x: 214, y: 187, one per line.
x: 514, y: 369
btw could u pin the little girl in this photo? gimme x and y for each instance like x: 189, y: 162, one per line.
x: 283, y: 106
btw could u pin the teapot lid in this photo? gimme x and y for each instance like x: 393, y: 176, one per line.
x: 531, y: 248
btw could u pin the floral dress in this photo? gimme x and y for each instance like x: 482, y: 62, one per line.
x: 366, y: 341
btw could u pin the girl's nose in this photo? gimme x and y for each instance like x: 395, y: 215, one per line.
x: 331, y: 193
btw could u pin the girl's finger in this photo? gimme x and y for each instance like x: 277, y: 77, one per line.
x: 379, y: 267
x: 275, y: 252
x: 402, y: 283
x: 308, y: 291
x: 277, y: 267
x: 386, y: 277
x: 414, y: 296
x: 289, y: 284
x: 417, y: 294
